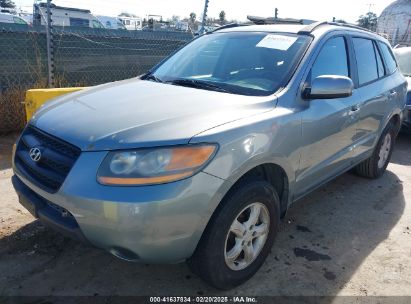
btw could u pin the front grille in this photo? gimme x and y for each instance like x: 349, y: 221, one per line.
x: 57, y: 159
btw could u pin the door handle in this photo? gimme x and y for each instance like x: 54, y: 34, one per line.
x: 393, y: 93
x: 354, y: 109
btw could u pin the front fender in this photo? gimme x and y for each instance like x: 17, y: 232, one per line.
x: 269, y: 138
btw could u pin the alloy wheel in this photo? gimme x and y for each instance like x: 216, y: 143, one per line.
x: 384, y: 151
x: 247, y: 236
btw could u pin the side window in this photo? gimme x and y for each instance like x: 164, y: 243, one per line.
x: 332, y: 59
x: 380, y: 65
x: 80, y: 22
x: 388, y: 57
x: 366, y: 62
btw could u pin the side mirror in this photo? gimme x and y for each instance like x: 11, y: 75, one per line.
x: 329, y: 87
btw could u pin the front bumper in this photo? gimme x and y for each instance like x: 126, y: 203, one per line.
x: 152, y: 224
x: 52, y: 215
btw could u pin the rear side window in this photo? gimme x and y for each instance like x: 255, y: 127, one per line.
x: 366, y: 61
x: 388, y: 57
x: 332, y: 59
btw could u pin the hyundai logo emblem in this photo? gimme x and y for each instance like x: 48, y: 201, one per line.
x: 35, y: 154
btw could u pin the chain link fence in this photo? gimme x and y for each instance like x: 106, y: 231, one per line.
x: 82, y: 57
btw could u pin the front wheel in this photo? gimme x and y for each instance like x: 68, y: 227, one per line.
x: 375, y: 166
x: 239, y: 236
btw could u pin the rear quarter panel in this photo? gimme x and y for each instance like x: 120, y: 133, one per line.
x: 397, y: 104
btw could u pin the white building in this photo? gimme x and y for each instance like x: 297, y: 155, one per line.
x: 132, y: 23
x: 65, y: 16
x: 182, y: 26
x: 395, y: 22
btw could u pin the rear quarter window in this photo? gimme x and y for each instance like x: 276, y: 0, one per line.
x: 389, y: 59
x: 381, y: 69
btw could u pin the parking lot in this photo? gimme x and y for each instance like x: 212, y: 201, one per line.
x: 350, y: 237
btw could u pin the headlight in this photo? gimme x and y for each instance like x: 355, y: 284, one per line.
x: 154, y: 166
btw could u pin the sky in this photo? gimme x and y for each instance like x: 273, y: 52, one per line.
x: 348, y: 10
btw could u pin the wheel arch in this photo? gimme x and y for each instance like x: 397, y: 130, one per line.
x: 273, y: 174
x: 396, y: 121
x: 394, y: 118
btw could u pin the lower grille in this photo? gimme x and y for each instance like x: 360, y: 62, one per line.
x: 55, y: 158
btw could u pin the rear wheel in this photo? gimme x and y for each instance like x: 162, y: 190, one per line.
x: 375, y: 166
x: 239, y: 236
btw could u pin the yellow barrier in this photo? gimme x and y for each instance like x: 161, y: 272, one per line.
x: 36, y: 97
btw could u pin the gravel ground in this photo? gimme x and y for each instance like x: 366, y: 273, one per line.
x: 351, y: 237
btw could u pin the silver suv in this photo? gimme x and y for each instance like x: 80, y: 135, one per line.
x: 200, y: 158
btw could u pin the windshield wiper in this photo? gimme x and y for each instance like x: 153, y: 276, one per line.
x: 193, y: 83
x: 152, y: 77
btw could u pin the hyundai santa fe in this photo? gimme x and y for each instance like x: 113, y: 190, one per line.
x: 198, y: 159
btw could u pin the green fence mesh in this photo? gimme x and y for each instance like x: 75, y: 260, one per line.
x: 82, y: 57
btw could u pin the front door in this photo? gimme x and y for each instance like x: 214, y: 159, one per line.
x: 328, y: 125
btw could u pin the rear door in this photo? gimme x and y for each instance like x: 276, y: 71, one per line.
x: 398, y: 92
x: 375, y: 90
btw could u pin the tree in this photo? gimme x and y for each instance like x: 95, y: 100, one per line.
x: 340, y: 21
x: 125, y: 14
x: 7, y: 3
x: 222, y: 17
x: 368, y: 21
x: 193, y: 17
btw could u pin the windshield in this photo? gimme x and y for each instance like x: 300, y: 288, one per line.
x: 246, y: 63
x: 404, y: 60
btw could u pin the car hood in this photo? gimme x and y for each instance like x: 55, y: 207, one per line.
x: 136, y: 113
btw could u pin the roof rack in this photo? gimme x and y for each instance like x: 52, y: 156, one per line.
x: 311, y: 27
x: 272, y: 20
x: 230, y: 25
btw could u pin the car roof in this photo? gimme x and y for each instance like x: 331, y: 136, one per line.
x: 279, y: 28
x: 319, y: 28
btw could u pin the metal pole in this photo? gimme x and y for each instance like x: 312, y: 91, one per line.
x: 50, y: 47
x: 202, y: 30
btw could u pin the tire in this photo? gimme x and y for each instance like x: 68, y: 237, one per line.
x: 212, y: 260
x: 375, y: 166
